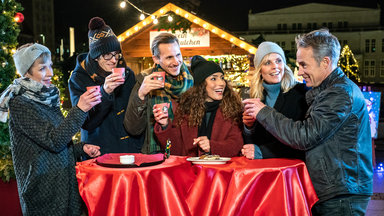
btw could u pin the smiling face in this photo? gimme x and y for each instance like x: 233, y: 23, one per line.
x: 272, y: 68
x: 41, y: 71
x: 170, y: 58
x: 215, y: 86
x: 312, y: 72
x: 108, y: 65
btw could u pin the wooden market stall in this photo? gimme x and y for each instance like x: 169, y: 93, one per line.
x: 231, y: 52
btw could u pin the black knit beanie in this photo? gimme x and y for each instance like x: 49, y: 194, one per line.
x: 202, y: 69
x: 102, y: 40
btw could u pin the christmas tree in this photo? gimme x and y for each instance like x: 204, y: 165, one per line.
x: 348, y: 64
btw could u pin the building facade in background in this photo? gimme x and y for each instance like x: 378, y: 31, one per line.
x: 38, y: 25
x: 358, y: 27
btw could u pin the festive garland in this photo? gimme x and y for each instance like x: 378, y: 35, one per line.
x: 178, y: 23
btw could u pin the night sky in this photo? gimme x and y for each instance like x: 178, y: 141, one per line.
x: 230, y: 15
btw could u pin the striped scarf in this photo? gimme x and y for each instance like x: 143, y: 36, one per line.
x: 30, y: 89
x: 173, y: 88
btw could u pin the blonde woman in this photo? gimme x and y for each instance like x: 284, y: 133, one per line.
x: 274, y: 84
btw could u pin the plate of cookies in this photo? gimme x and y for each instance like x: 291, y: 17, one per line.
x: 209, y: 159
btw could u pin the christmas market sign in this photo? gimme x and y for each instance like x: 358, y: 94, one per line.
x: 195, y: 37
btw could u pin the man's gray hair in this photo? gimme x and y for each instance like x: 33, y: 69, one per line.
x: 323, y: 44
x: 163, y: 38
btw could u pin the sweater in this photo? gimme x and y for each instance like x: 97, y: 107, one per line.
x: 44, y: 157
x: 104, y: 124
x: 226, y: 138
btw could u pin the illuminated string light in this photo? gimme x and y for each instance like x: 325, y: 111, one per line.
x: 348, y: 63
x: 123, y: 4
x: 171, y: 7
x: 142, y: 16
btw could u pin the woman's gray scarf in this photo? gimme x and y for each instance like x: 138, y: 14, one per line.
x: 30, y: 89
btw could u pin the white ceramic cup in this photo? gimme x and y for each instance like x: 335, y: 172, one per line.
x: 127, y: 159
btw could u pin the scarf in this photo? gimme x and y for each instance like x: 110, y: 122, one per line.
x: 95, y: 71
x: 174, y: 86
x: 30, y: 89
x: 205, y: 129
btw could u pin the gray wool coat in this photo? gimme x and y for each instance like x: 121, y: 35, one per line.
x: 44, y: 157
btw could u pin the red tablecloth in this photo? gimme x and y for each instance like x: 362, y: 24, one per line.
x: 176, y: 187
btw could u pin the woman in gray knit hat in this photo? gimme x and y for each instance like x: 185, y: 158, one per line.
x: 41, y: 138
x: 274, y: 84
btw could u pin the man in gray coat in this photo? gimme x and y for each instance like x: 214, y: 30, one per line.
x: 335, y: 133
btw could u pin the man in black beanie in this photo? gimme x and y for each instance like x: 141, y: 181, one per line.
x: 104, y: 124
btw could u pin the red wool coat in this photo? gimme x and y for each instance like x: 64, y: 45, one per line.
x: 226, y: 138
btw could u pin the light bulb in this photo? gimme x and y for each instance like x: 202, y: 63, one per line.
x: 170, y: 18
x: 142, y: 17
x: 155, y: 21
x: 123, y: 4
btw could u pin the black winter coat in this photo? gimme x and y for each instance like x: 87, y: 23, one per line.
x: 291, y: 104
x: 104, y: 124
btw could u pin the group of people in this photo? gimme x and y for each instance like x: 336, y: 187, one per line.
x: 323, y: 122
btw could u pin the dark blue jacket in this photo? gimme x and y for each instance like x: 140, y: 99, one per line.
x: 104, y: 124
x: 335, y: 135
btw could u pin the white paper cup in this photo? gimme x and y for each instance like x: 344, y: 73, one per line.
x: 127, y: 159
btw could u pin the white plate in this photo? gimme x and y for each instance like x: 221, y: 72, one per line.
x: 197, y: 160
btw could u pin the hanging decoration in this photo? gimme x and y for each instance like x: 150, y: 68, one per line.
x: 19, y: 17
x: 163, y: 12
x: 349, y: 64
x: 173, y: 22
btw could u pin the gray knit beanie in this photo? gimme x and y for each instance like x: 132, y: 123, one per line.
x: 102, y: 40
x: 266, y: 48
x: 26, y: 56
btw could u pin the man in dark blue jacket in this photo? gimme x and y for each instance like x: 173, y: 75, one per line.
x: 335, y: 133
x: 104, y: 124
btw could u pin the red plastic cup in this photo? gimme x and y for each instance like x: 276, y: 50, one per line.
x: 94, y: 87
x: 160, y: 75
x: 121, y: 72
x: 163, y: 107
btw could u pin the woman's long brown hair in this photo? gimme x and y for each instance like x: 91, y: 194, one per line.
x: 191, y: 106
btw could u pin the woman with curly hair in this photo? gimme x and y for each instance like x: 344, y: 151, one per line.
x: 207, y: 118
x: 274, y: 84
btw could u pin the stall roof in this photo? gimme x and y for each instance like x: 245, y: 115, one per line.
x: 147, y: 22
